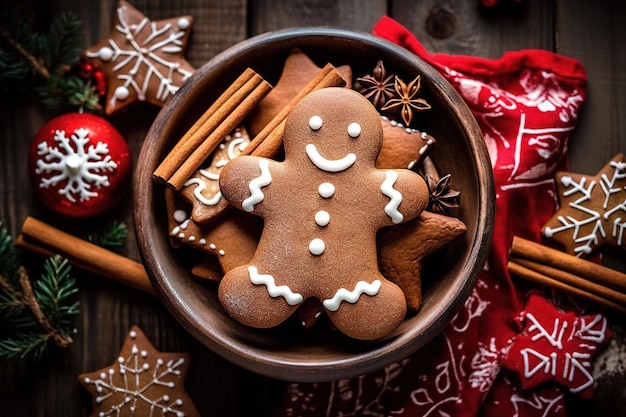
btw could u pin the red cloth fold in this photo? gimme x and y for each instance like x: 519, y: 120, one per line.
x: 526, y: 104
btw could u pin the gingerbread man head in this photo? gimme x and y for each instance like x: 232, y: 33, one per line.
x: 322, y: 207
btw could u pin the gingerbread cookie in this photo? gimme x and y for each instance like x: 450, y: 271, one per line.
x: 402, y: 250
x: 232, y: 239
x: 202, y: 190
x: 403, y: 147
x: 298, y: 71
x: 322, y: 207
x: 592, y: 210
x: 141, y: 382
x: 142, y: 60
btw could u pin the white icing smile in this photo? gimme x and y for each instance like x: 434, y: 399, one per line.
x: 329, y: 165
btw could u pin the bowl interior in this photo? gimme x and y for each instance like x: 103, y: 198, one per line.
x: 288, y: 352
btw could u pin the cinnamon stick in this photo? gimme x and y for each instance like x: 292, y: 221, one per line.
x: 268, y: 141
x: 186, y: 144
x: 204, y: 149
x: 572, y: 280
x: 209, y: 130
x: 47, y: 240
x: 526, y: 249
x: 538, y: 278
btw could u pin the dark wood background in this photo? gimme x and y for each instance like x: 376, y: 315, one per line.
x: 592, y: 31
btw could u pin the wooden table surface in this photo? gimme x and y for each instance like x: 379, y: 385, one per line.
x: 591, y: 31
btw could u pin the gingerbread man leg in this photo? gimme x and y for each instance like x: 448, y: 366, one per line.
x: 253, y: 298
x: 379, y: 308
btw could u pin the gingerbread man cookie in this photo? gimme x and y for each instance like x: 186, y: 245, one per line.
x: 322, y: 207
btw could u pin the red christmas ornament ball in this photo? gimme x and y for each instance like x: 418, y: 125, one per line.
x: 80, y: 165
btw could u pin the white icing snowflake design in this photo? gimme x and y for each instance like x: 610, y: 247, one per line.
x: 136, y: 388
x: 148, y: 44
x: 79, y: 163
x: 590, y: 226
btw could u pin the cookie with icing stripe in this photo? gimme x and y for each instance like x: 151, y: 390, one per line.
x: 592, y: 210
x: 142, y: 59
x: 202, y: 190
x: 322, y: 207
x: 232, y: 239
x: 141, y: 382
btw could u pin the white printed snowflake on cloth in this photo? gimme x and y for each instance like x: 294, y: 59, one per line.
x: 142, y: 382
x: 80, y: 164
x: 592, y: 210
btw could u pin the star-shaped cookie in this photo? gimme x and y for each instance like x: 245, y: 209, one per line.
x: 298, y: 71
x: 142, y: 60
x: 402, y: 250
x: 232, y: 238
x: 141, y: 382
x: 592, y: 210
x: 555, y: 345
x: 202, y: 190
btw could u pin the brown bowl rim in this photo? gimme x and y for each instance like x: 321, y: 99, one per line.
x: 263, y: 361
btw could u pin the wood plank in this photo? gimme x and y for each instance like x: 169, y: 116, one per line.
x: 463, y: 27
x: 267, y: 15
x: 594, y: 33
x: 108, y: 309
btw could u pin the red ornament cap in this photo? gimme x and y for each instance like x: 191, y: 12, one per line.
x: 79, y: 165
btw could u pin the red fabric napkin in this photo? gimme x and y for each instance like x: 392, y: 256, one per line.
x: 526, y: 104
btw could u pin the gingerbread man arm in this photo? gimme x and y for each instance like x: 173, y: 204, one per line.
x: 407, y: 195
x: 243, y: 181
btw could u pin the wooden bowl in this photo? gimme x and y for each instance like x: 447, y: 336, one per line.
x: 288, y: 352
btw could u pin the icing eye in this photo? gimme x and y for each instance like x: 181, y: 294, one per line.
x: 354, y: 130
x: 315, y: 122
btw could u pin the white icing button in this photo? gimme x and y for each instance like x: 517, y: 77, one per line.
x: 354, y: 130
x: 121, y: 93
x: 183, y: 23
x: 105, y: 53
x: 317, y: 246
x: 315, y: 123
x: 322, y: 218
x: 326, y: 189
x: 180, y: 215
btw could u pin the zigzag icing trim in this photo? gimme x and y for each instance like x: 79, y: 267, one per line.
x: 362, y: 287
x: 274, y: 290
x: 256, y: 195
x: 391, y: 209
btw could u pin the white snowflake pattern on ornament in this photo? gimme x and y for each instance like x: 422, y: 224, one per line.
x: 79, y: 163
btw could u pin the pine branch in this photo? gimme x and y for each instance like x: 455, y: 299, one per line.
x: 24, y: 345
x: 113, y: 235
x: 45, y: 62
x: 28, y: 297
x: 36, y: 64
x: 40, y: 314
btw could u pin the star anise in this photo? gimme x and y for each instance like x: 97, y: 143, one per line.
x: 378, y: 87
x: 442, y: 198
x: 407, y: 101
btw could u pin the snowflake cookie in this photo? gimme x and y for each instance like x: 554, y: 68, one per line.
x: 592, y: 210
x: 142, y: 382
x: 322, y: 207
x: 555, y: 345
x: 142, y: 60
